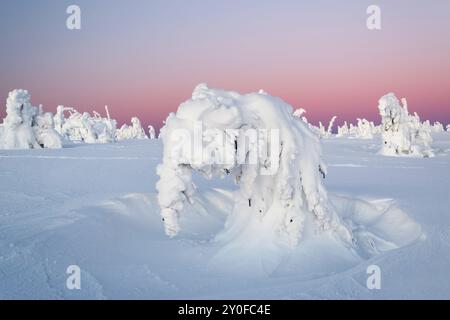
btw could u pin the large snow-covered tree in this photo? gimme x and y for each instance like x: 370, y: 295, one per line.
x: 403, y: 134
x: 280, y: 194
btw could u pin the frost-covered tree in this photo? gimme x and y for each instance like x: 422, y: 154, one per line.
x: 280, y: 196
x: 151, y: 132
x: 82, y: 127
x: 402, y: 134
x: 330, y: 126
x: 25, y: 126
x: 364, y: 129
x: 438, y: 127
x: 448, y: 128
x: 44, y: 130
x: 343, y: 130
x: 135, y: 131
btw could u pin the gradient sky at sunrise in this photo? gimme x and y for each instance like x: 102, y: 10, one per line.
x: 144, y: 57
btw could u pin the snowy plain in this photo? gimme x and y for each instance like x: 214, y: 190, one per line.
x: 95, y: 206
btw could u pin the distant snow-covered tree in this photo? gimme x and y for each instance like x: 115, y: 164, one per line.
x: 135, y: 131
x: 364, y: 129
x: 151, y: 132
x: 25, y: 126
x: 438, y: 127
x: 44, y: 130
x: 330, y: 126
x: 82, y: 127
x: 402, y: 134
x: 281, y: 194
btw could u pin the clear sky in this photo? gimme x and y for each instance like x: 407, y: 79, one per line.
x: 144, y: 57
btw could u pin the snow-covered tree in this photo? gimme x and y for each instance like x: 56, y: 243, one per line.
x: 448, y: 128
x: 343, y: 130
x: 151, y: 132
x: 82, y: 127
x: 438, y: 127
x: 364, y: 129
x: 44, y: 130
x: 402, y: 134
x: 25, y: 126
x: 281, y: 194
x: 135, y: 131
x: 330, y: 126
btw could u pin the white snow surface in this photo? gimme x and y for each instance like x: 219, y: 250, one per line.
x: 95, y: 206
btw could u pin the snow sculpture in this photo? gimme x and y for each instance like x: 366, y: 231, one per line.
x: 402, y: 134
x: 135, y: 131
x: 281, y: 193
x: 25, y: 126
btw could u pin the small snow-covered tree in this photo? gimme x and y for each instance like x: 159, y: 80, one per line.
x: 25, y: 126
x: 281, y: 194
x: 44, y: 130
x: 402, y: 133
x: 343, y: 130
x: 364, y: 129
x: 135, y: 131
x: 151, y: 132
x: 330, y: 126
x: 299, y: 113
x: 84, y: 127
x: 448, y: 128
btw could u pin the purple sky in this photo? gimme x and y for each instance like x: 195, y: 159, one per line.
x: 143, y: 58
